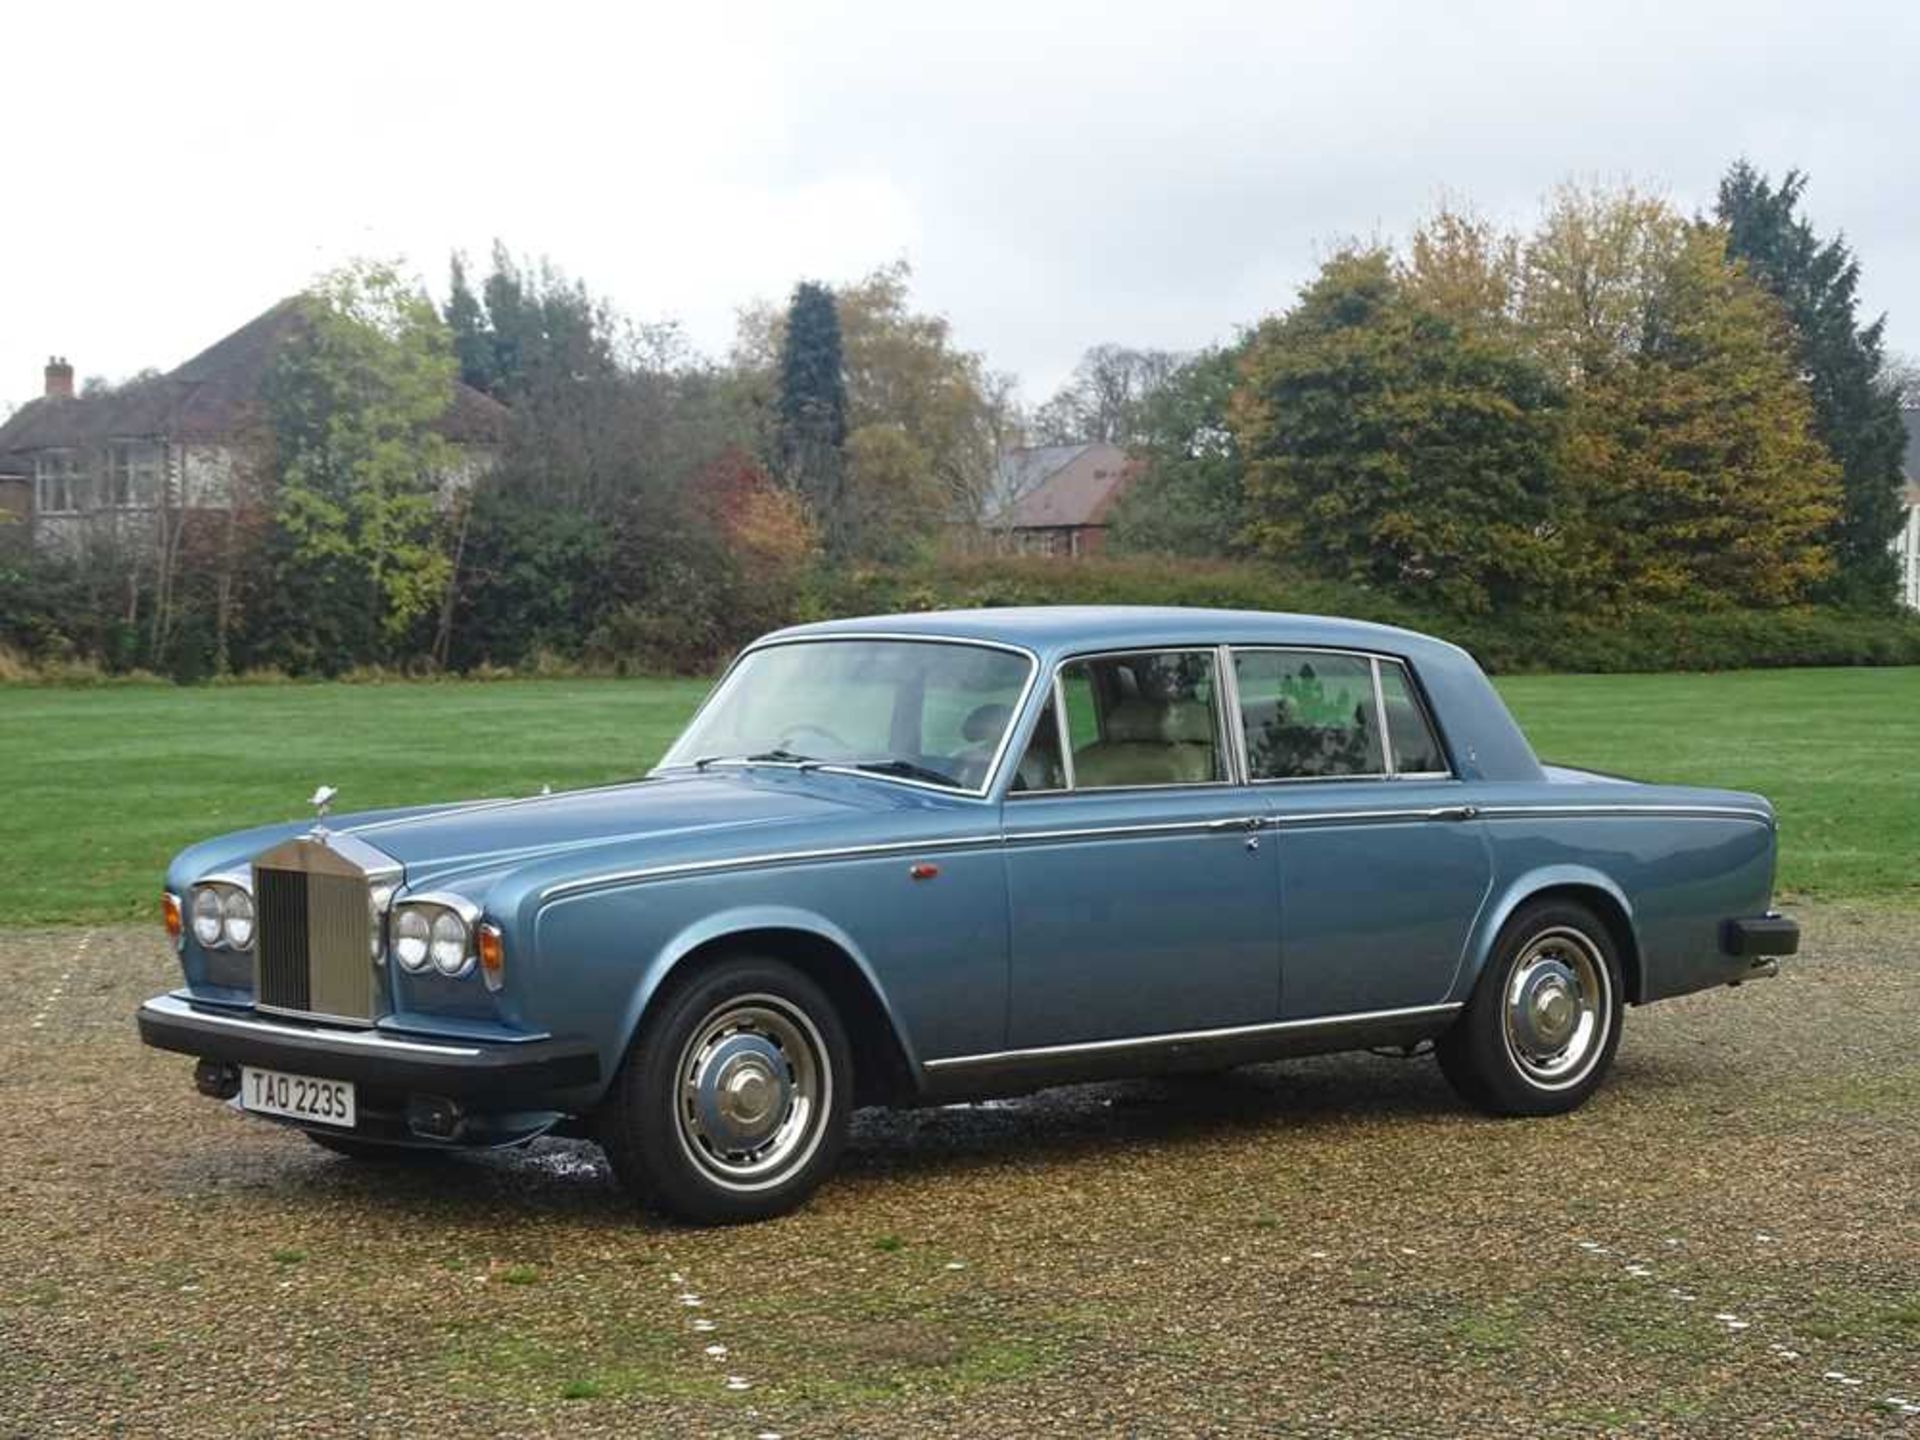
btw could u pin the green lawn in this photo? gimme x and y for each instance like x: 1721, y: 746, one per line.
x: 1837, y: 751
x: 99, y: 786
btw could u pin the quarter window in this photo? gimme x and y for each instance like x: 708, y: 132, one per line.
x: 1416, y: 749
x: 1040, y: 767
x: 1144, y: 719
x: 1308, y: 715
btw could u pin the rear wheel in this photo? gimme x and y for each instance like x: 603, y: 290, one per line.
x: 1540, y: 1032
x: 733, y: 1101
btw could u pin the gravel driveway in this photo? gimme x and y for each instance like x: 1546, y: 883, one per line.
x: 1727, y: 1240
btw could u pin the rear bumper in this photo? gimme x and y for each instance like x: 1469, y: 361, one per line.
x: 520, y: 1075
x: 1760, y: 938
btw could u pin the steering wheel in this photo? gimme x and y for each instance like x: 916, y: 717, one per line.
x: 834, y: 742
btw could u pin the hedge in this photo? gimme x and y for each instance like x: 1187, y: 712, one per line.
x: 1504, y: 643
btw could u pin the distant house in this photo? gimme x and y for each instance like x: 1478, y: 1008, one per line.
x: 1906, y: 544
x: 73, y: 467
x: 1060, y: 498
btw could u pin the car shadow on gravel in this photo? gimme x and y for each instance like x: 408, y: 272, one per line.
x: 569, y: 1179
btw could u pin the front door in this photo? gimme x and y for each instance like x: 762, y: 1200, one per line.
x: 1143, y: 891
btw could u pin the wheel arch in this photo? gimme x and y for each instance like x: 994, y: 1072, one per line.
x: 884, y: 1063
x: 1583, y: 886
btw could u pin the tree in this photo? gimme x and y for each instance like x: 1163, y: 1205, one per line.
x: 473, y: 342
x: 1106, y: 397
x: 1190, y: 497
x: 1900, y: 377
x: 813, y: 407
x: 950, y: 417
x: 355, y: 399
x: 1691, y: 472
x: 1856, y: 411
x: 1590, y: 272
x: 1385, y: 443
x: 1465, y: 267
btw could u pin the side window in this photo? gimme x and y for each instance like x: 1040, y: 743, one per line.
x: 1308, y: 715
x: 1147, y: 719
x: 1416, y: 749
x: 1040, y: 767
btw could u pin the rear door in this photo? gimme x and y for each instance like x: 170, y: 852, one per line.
x: 1383, y: 867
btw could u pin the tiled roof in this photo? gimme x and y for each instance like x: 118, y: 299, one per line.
x: 211, y: 397
x: 1071, y: 485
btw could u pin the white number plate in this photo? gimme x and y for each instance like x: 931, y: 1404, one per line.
x: 298, y: 1097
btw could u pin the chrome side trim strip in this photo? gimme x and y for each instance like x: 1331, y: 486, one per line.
x: 1182, y: 1037
x: 1704, y: 812
x: 1104, y: 832
x: 174, y: 1007
x: 779, y: 857
x: 1213, y: 824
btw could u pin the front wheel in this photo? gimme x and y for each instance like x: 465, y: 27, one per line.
x: 1540, y: 1032
x: 734, y: 1099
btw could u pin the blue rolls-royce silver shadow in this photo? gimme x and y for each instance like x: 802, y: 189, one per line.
x: 948, y: 856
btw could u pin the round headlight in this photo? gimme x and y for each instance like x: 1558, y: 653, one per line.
x: 449, y: 943
x: 412, y: 935
x: 237, y: 906
x: 208, y: 920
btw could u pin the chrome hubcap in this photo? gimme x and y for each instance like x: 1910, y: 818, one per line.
x: 754, y: 1092
x: 1559, y: 1008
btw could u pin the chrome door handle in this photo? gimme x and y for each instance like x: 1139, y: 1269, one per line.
x: 1453, y: 812
x: 1244, y: 822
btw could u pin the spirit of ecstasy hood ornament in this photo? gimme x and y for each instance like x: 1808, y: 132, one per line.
x: 322, y: 800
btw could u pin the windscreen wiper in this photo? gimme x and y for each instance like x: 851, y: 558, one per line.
x: 907, y: 770
x: 762, y: 757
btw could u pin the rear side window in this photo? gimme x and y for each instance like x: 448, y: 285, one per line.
x: 1416, y: 749
x: 1308, y: 715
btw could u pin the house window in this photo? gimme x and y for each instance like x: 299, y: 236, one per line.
x: 135, y: 472
x: 56, y: 482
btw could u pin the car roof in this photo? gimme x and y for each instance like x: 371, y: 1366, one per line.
x: 1057, y: 629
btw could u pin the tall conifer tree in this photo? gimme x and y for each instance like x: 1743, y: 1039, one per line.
x: 813, y: 408
x: 1856, y: 410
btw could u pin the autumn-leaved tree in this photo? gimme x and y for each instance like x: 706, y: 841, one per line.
x: 1691, y: 472
x: 355, y: 397
x: 1387, y: 443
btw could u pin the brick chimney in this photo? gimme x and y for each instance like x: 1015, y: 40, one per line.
x: 59, y: 378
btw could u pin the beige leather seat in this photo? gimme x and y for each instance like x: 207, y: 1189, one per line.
x: 1150, y: 742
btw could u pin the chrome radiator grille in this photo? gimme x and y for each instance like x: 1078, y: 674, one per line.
x: 314, y: 934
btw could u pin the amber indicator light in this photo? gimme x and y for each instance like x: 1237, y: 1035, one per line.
x: 170, y: 917
x: 492, y: 953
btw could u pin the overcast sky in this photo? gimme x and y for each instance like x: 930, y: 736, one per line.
x: 1058, y: 175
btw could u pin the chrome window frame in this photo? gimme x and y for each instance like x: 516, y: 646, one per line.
x: 1374, y: 661
x: 984, y: 791
x: 1223, y: 724
x: 1421, y: 709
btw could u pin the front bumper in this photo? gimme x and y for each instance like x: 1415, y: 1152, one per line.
x: 520, y: 1075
